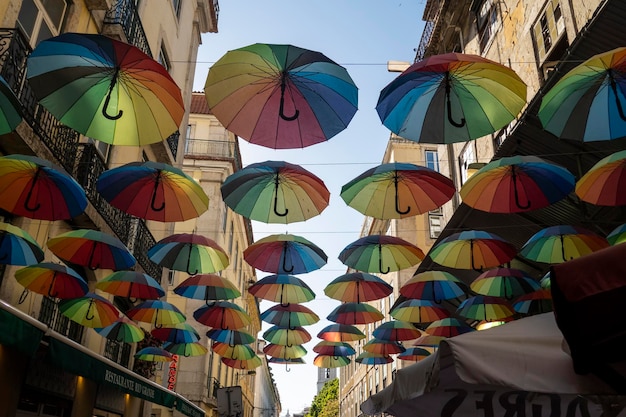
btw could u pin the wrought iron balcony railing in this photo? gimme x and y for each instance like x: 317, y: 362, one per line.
x: 225, y: 150
x: 118, y: 352
x: 125, y: 14
x: 52, y: 317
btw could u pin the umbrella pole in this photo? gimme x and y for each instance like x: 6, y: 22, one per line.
x: 449, y: 104
x: 516, y: 193
x: 618, y: 103
x: 157, y: 180
x: 380, y: 260
x: 189, y: 259
x: 276, y: 184
x: 563, y: 248
x: 54, y: 277
x: 30, y: 192
x: 395, y: 183
x: 281, y: 112
x: 285, y: 259
x: 91, y: 255
x: 108, y: 97
x: 88, y: 310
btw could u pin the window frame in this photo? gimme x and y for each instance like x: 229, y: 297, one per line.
x: 43, y: 18
x: 553, y: 31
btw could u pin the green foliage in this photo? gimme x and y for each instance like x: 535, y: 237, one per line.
x: 326, y: 403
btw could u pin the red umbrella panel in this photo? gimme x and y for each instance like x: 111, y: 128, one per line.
x: 285, y: 254
x: 602, y: 185
x: 383, y: 347
x: 338, y: 332
x: 52, y: 280
x: 222, y: 315
x: 358, y: 287
x: 355, y: 313
x: 253, y: 362
x: 473, y: 249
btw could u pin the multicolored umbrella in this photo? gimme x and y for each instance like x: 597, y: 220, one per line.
x: 176, y: 333
x: 275, y: 192
x: 131, y: 284
x: 122, y: 330
x: 325, y: 347
x: 253, y: 362
x: 222, y: 315
x: 536, y: 302
x: 485, y: 307
x: 602, y: 184
x: 397, y: 190
x: 90, y: 310
x: 280, y: 96
x: 154, y: 354
x: 472, y: 249
x: 207, y: 287
x: 545, y: 281
x: 286, y: 362
x: 433, y: 286
x: 383, y: 347
x: 52, y: 280
x: 445, y: 328
x: 331, y: 361
x: 159, y: 313
x: 232, y: 337
x: 338, y: 332
x: 414, y: 354
x: 617, y: 235
x: 419, y: 311
x: 431, y: 341
x: 381, y: 254
x: 186, y: 349
x: 35, y: 188
x: 18, y: 247
x: 284, y: 352
x: 290, y: 316
x: 355, y: 313
x: 285, y: 254
x: 105, y: 89
x: 517, y: 184
x: 557, y: 244
x: 287, y: 336
x: 451, y: 98
x: 10, y: 113
x: 587, y: 104
x: 507, y: 283
x: 368, y: 358
x: 283, y: 289
x: 190, y: 253
x: 396, y: 330
x: 358, y: 287
x: 237, y: 352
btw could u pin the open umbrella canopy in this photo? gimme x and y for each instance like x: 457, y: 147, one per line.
x: 507, y: 283
x: 289, y: 316
x: 358, y: 287
x: 176, y: 333
x: 414, y: 354
x: 287, y: 336
x: 557, y: 244
x: 10, y: 113
x: 159, y: 313
x: 105, y: 89
x: 131, y: 284
x: 285, y: 254
x: 396, y: 330
x: 190, y: 253
x: 122, y: 330
x: 602, y: 185
x: 90, y: 310
x: 232, y: 337
x: 536, y: 302
x: 52, y: 280
x: 253, y: 362
x: 355, y: 313
x: 419, y: 311
x: 153, y: 191
x: 238, y: 352
x: 381, y: 254
x: 18, y: 247
x: 383, y: 347
x: 280, y: 96
x: 369, y: 358
x: 93, y: 249
x: 517, y: 184
x: 207, y: 287
x: 449, y: 327
x: 222, y: 315
x: 617, y: 235
x: 294, y: 361
x: 154, y: 354
x: 186, y: 349
x: 472, y: 249
x: 451, y: 98
x: 331, y: 361
x: 396, y: 190
x: 485, y: 307
x: 587, y: 104
x: 284, y: 351
x: 428, y: 340
x: 433, y: 286
x: 338, y: 332
x: 283, y: 289
x: 324, y: 347
x: 275, y: 192
x: 35, y: 188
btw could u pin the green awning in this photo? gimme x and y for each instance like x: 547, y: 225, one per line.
x: 18, y: 334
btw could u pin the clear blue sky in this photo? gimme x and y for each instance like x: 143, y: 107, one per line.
x: 361, y: 35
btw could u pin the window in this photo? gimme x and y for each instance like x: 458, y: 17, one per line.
x: 466, y: 159
x: 487, y: 20
x: 41, y: 19
x: 170, y: 277
x: 434, y: 225
x: 177, y: 5
x: 104, y: 149
x: 548, y: 29
x: 432, y: 160
x: 164, y: 58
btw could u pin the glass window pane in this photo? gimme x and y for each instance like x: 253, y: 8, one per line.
x: 28, y: 17
x: 55, y: 10
x: 44, y: 33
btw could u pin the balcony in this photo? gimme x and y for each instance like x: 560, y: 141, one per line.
x: 123, y: 19
x: 214, y: 150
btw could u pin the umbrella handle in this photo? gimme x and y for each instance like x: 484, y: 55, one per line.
x: 287, y: 368
x: 23, y: 296
x: 281, y: 113
x: 30, y: 193
x: 618, y: 103
x: 563, y: 250
x: 472, y: 257
x: 516, y: 193
x: 185, y: 353
x: 54, y: 277
x: 380, y: 261
x: 285, y: 260
x: 449, y: 105
x: 88, y: 310
x: 108, y: 98
x: 89, y: 264
x: 154, y: 193
x: 395, y: 183
x: 276, y: 183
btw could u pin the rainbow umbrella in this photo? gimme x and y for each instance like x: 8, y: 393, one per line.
x: 485, y: 307
x: 185, y: 349
x: 358, y: 287
x: 153, y: 191
x: 176, y: 333
x: 368, y: 358
x: 207, y: 287
x: 428, y: 340
x: 381, y: 254
x: 472, y: 249
x: 251, y: 363
x: 517, y: 184
x: 617, y: 235
x: 286, y: 361
x: 285, y: 254
x: 325, y: 347
x: 451, y: 98
x: 433, y: 286
x: 285, y: 352
x: 122, y: 330
x: 154, y: 354
x: 507, y: 283
x: 383, y: 347
x: 105, y: 89
x: 289, y: 316
x: 35, y: 188
x: 396, y: 330
x: 232, y: 337
x: 418, y: 311
x: 414, y: 354
x: 131, y: 284
x: 52, y: 280
x: 238, y: 352
x: 338, y: 332
x: 90, y: 310
x: 545, y: 281
x: 160, y: 313
x: 286, y: 336
x: 222, y: 315
x: 190, y: 253
x: 330, y: 361
x: 18, y: 247
x: 280, y: 96
x: 275, y: 192
x: 602, y: 184
x: 10, y: 113
x: 536, y: 302
x: 449, y: 327
x: 557, y: 244
x: 397, y: 190
x: 283, y: 289
x: 587, y: 104
x: 355, y: 313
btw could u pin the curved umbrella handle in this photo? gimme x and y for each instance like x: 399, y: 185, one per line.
x: 54, y: 277
x: 30, y: 193
x: 154, y: 193
x: 287, y: 368
x: 23, y: 296
x: 276, y: 183
x: 618, y: 103
x: 449, y: 105
x: 108, y: 98
x: 281, y: 109
x: 395, y: 183
x: 472, y: 256
x: 89, y: 263
x: 88, y: 310
x: 189, y: 263
x: 380, y: 260
x: 563, y: 250
x: 284, y: 266
x: 185, y: 353
x: 517, y: 202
